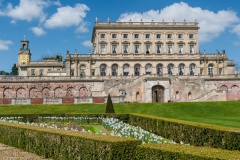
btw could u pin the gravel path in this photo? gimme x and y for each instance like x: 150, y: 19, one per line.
x: 11, y: 153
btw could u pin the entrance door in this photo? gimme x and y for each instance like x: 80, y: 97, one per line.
x: 157, y: 93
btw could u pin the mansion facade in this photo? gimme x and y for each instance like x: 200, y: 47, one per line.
x: 140, y: 61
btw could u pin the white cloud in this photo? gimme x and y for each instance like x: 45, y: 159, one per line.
x: 68, y: 16
x: 211, y: 24
x: 38, y: 31
x: 236, y: 29
x: 27, y: 10
x: 87, y: 43
x: 82, y: 28
x: 4, y: 45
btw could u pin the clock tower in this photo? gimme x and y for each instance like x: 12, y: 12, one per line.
x: 24, y: 57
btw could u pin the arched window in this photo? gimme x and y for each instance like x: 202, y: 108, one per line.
x: 137, y: 70
x: 191, y: 69
x: 82, y: 70
x: 181, y: 69
x: 189, y: 95
x: 114, y: 70
x: 103, y: 69
x: 125, y: 69
x: 159, y: 70
x: 170, y: 69
x: 210, y: 69
x: 177, y: 95
x: 148, y: 69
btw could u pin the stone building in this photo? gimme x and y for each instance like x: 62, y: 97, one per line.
x: 140, y: 61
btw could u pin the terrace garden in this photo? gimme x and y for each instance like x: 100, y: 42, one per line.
x: 164, y: 130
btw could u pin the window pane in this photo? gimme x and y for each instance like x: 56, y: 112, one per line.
x: 136, y: 35
x: 158, y: 35
x: 102, y: 35
x: 125, y: 35
x: 114, y: 35
x: 102, y: 48
x: 169, y: 36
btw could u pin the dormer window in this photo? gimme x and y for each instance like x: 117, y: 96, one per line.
x: 102, y: 35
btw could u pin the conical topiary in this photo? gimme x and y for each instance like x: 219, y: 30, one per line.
x: 109, y: 107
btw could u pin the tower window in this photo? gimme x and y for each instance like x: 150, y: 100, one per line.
x: 33, y: 72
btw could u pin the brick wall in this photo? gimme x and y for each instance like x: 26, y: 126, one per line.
x: 5, y: 101
x: 36, y: 100
x: 68, y: 100
x: 98, y: 99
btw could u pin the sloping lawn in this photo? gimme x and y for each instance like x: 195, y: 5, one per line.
x: 218, y: 113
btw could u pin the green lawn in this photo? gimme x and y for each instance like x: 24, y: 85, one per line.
x: 218, y: 113
x: 93, y: 128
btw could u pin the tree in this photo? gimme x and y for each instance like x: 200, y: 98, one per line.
x: 14, y: 70
x: 237, y: 67
x: 58, y: 57
x: 109, y: 106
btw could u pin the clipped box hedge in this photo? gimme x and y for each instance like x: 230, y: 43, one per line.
x: 189, y: 132
x: 61, y: 144
x: 183, y: 152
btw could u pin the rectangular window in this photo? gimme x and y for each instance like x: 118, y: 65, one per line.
x: 125, y: 35
x: 72, y: 72
x: 41, y: 72
x: 201, y: 71
x: 136, y: 50
x: 49, y: 69
x: 102, y: 35
x: 220, y: 70
x: 192, y: 49
x: 147, y: 48
x: 114, y: 35
x: 158, y: 48
x: 191, y: 35
x: 169, y: 36
x: 180, y: 36
x: 158, y: 36
x: 33, y: 72
x: 93, y: 72
x: 180, y: 47
x: 136, y: 35
x: 114, y: 48
x: 147, y: 36
x: 125, y: 48
x: 170, y: 49
x: 102, y: 48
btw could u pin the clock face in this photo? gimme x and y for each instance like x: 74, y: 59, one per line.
x: 23, y: 58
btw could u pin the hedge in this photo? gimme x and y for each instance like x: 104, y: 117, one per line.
x: 182, y: 152
x: 61, y: 144
x: 189, y: 132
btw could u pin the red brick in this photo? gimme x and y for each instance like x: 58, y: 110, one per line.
x: 36, y: 100
x: 68, y: 100
x: 98, y: 99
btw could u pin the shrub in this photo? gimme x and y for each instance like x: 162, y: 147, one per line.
x: 192, y: 133
x: 109, y: 107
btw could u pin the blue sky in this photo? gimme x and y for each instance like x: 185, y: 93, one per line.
x: 54, y: 26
